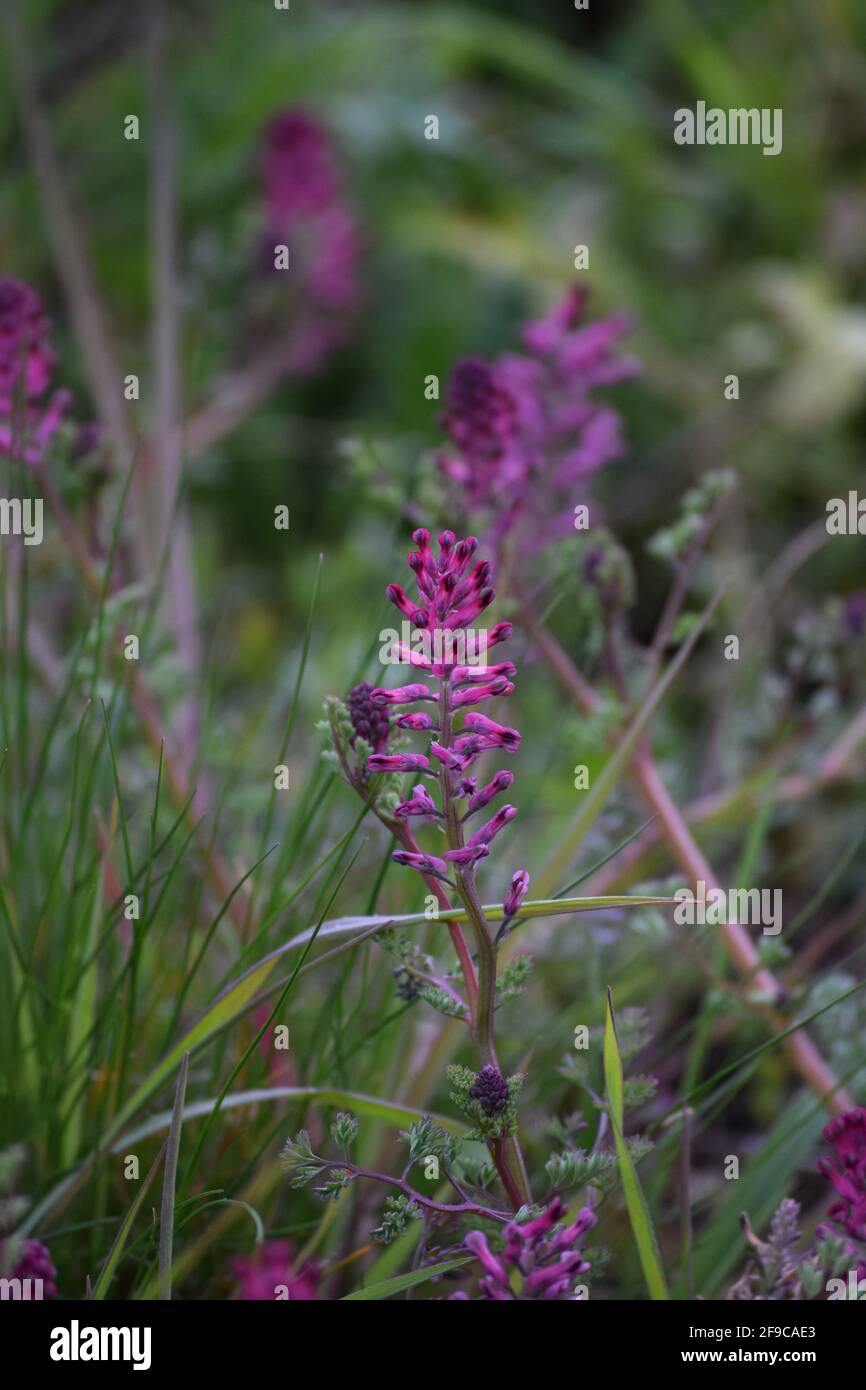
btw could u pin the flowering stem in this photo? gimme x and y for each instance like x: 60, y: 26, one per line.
x: 484, y: 1014
x: 404, y: 834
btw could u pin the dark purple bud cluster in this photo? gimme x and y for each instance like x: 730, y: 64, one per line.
x: 490, y: 1090
x: 369, y: 719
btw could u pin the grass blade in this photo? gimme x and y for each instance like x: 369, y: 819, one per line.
x: 402, y: 1281
x: 641, y: 1221
x: 166, y: 1219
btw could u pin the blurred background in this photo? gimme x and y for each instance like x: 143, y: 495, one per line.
x: 555, y: 129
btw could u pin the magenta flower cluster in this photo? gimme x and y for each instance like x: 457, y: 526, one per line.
x: 527, y: 429
x: 307, y: 211
x: 453, y: 592
x: 28, y: 417
x: 847, y: 1134
x: 537, y: 1262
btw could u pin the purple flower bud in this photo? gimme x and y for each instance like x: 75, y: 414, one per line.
x: 498, y: 784
x: 516, y: 894
x: 566, y: 1238
x: 400, y: 599
x: 398, y: 762
x: 446, y: 757
x: 501, y: 735
x: 476, y: 1241
x: 468, y: 855
x: 424, y: 863
x: 490, y: 829
x: 420, y: 804
x: 476, y: 693
x: 401, y: 694
x: 414, y: 721
x: 500, y: 632
x: 557, y: 1277
x: 531, y: 1230
x: 403, y: 655
x: 477, y: 675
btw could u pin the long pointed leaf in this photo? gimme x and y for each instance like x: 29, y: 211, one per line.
x: 641, y: 1221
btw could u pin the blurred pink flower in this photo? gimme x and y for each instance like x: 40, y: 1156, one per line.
x: 307, y: 211
x: 527, y: 429
x: 269, y: 1272
x: 27, y: 362
x: 847, y: 1173
x: 33, y: 1262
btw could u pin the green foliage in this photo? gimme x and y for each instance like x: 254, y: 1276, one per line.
x: 299, y: 1161
x: 335, y: 1184
x: 442, y: 1001
x: 396, y: 1214
x: 513, y: 980
x: 344, y: 1130
x: 574, y: 1168
x: 427, y: 1139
